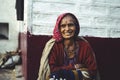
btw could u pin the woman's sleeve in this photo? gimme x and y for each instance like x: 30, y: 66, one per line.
x: 90, y: 60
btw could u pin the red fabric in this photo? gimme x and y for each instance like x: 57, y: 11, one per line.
x: 56, y: 33
x: 86, y: 56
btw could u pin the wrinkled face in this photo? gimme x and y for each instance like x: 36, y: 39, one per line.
x: 67, y: 27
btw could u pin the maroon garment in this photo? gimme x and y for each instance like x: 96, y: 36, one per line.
x: 85, y: 56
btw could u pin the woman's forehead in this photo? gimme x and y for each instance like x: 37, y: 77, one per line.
x: 67, y: 18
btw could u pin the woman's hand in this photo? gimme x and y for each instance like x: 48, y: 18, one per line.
x: 83, y: 70
x: 80, y: 66
x: 77, y: 66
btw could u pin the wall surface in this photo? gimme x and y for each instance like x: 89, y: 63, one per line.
x: 8, y: 15
x: 98, y: 18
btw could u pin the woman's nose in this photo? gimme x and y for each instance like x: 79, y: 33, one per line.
x: 66, y: 27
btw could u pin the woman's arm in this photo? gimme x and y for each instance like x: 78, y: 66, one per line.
x: 88, y: 59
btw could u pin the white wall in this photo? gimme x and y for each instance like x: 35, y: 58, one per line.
x: 98, y: 18
x: 8, y: 15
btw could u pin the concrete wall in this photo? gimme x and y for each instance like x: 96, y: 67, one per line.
x: 98, y: 18
x: 8, y: 15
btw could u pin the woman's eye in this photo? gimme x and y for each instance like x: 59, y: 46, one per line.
x: 63, y: 25
x: 71, y: 24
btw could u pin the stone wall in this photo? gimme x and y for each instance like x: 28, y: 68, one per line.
x: 98, y: 18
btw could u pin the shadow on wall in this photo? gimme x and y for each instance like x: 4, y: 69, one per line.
x: 3, y: 36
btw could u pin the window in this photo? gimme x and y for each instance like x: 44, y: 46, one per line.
x: 4, y: 31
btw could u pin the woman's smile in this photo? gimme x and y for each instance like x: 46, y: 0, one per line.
x: 68, y: 33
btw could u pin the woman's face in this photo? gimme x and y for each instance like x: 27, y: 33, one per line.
x: 67, y: 27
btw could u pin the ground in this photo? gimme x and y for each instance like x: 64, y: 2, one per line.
x: 12, y: 74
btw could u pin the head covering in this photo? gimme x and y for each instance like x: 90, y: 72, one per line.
x: 56, y: 33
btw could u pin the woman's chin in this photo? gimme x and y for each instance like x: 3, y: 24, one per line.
x: 68, y: 37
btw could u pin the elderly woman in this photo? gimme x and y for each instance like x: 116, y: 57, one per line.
x: 67, y: 56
